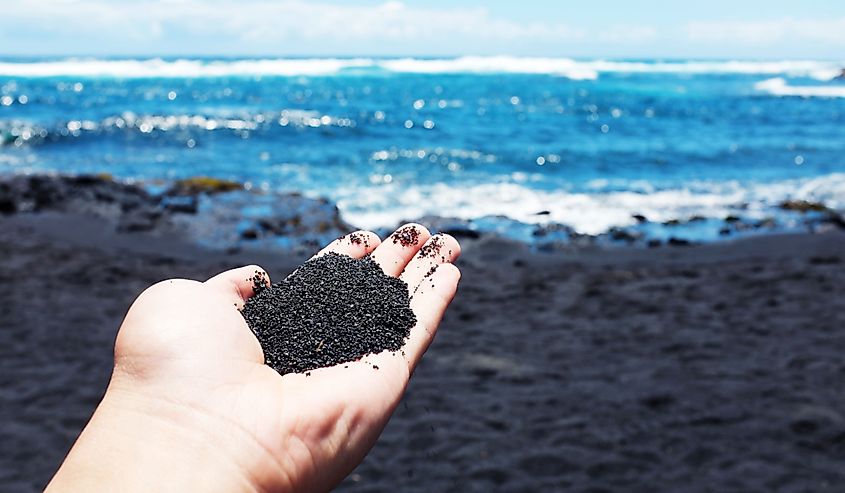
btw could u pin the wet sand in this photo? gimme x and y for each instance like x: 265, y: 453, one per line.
x: 701, y: 368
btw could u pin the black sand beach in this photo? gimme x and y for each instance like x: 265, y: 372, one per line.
x: 696, y: 368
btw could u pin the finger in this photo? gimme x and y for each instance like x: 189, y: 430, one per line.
x: 355, y: 245
x: 439, y: 249
x: 241, y: 282
x: 429, y: 303
x: 400, y: 247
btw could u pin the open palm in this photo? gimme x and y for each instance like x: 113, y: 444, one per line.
x: 184, y: 352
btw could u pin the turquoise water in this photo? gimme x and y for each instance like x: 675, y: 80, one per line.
x: 591, y: 143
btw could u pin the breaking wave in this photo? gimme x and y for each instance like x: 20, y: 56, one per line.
x: 587, y: 213
x: 779, y: 87
x: 563, y: 67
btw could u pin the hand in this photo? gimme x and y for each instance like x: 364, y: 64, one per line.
x: 191, y: 405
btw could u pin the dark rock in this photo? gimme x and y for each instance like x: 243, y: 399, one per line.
x: 300, y: 221
x: 731, y: 219
x: 279, y: 225
x: 835, y: 219
x: 673, y: 241
x: 249, y: 234
x: 97, y: 194
x: 654, y: 243
x: 542, y: 213
x: 130, y: 208
x: 7, y: 200
x: 202, y: 185
x: 459, y: 228
x: 803, y: 206
x: 553, y: 228
x: 88, y: 180
x: 618, y: 234
x: 463, y: 233
x: 7, y: 207
x: 679, y: 222
x: 139, y: 220
x: 640, y: 218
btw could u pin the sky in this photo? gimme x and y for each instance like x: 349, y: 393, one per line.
x: 723, y: 29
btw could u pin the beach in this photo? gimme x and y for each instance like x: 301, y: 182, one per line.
x: 712, y: 367
x: 652, y: 248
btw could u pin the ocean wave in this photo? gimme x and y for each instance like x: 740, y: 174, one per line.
x: 19, y: 133
x: 778, y: 86
x: 587, y: 70
x: 563, y: 67
x: 587, y: 213
x: 793, y: 68
x: 184, y: 68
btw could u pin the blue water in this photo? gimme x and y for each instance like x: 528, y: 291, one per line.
x: 590, y: 143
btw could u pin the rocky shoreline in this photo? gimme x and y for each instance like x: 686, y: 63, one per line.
x: 208, y: 211
x: 228, y: 216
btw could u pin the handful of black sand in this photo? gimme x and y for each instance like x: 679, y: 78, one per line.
x: 333, y: 309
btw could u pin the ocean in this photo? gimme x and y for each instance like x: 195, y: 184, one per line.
x: 506, y: 143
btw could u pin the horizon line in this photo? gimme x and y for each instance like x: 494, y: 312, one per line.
x: 186, y: 56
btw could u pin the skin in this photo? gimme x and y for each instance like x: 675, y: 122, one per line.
x: 192, y: 407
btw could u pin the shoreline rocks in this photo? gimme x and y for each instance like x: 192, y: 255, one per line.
x: 184, y: 209
x: 225, y: 215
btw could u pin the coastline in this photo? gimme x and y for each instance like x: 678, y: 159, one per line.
x: 709, y: 367
x: 225, y: 215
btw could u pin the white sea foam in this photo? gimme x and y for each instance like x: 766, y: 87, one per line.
x: 794, y: 68
x: 778, y: 86
x: 591, y: 69
x: 589, y: 213
x: 563, y: 67
x: 180, y: 68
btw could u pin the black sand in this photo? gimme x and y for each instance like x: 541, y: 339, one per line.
x: 333, y: 309
x: 702, y: 368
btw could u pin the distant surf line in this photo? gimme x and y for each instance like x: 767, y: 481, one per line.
x: 289, y: 67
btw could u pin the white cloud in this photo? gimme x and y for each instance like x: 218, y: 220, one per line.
x: 300, y: 27
x: 294, y: 22
x: 769, y: 32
